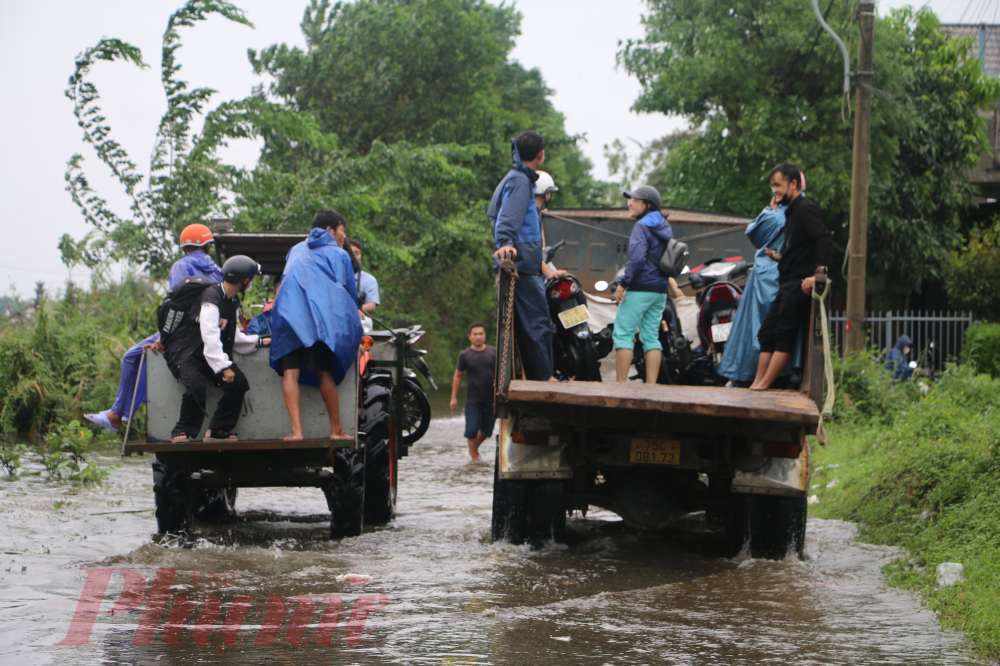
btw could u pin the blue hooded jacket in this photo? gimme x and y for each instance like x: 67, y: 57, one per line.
x: 195, y: 264
x: 739, y: 359
x: 895, y: 361
x: 649, y: 237
x: 318, y: 302
x: 514, y: 215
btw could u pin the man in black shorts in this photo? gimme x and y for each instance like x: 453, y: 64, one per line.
x: 808, y: 245
x: 479, y: 360
x: 202, y: 348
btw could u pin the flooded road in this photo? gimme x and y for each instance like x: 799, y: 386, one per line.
x: 428, y: 588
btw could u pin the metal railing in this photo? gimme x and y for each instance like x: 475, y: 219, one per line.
x: 945, y: 329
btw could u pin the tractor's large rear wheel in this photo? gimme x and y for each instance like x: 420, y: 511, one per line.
x: 345, y: 493
x: 375, y: 421
x: 170, y: 493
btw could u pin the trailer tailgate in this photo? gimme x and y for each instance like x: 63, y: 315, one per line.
x: 774, y: 406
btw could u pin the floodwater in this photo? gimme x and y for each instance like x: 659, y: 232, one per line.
x: 439, y: 592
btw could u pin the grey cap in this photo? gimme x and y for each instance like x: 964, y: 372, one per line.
x: 644, y: 192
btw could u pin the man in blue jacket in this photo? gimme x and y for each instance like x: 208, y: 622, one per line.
x: 517, y: 230
x: 315, y: 326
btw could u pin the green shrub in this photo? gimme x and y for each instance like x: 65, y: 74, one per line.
x: 982, y: 349
x: 866, y: 393
x: 971, y: 275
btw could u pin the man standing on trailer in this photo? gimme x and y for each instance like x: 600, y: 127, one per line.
x: 316, y: 327
x: 808, y: 245
x: 517, y: 231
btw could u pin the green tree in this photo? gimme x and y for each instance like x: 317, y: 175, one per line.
x: 760, y: 84
x: 971, y: 274
x: 425, y: 72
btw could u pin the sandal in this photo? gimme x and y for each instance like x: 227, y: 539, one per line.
x: 101, y: 419
x: 219, y: 437
x: 181, y: 438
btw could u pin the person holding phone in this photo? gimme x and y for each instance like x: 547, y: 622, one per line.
x: 808, y: 245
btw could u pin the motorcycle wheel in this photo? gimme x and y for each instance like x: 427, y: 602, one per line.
x: 416, y: 412
x: 589, y: 365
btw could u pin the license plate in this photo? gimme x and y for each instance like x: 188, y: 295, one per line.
x: 656, y: 451
x: 574, y: 316
x: 720, y: 332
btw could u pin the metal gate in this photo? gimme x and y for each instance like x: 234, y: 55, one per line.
x: 937, y: 336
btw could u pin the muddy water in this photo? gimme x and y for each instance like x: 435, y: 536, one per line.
x: 438, y: 592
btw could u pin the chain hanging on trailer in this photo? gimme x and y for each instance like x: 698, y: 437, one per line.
x: 507, y: 266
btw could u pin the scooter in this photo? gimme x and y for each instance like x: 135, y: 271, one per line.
x: 574, y: 346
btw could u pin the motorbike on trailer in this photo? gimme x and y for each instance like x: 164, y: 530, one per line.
x: 574, y: 347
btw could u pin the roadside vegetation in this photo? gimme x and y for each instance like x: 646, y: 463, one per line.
x: 914, y: 464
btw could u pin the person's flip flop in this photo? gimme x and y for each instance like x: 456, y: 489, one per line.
x: 101, y: 419
x: 229, y: 437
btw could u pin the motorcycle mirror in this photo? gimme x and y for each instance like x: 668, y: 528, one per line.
x: 267, y: 281
x: 601, y: 285
x: 913, y: 364
x: 686, y: 270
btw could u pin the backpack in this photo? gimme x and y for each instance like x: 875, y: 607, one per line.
x: 177, y: 305
x: 671, y: 261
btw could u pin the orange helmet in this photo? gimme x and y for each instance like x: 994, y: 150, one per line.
x: 196, y: 235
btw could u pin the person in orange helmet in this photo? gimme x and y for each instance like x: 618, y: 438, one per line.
x: 196, y: 240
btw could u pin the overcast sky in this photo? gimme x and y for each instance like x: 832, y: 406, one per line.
x: 573, y: 42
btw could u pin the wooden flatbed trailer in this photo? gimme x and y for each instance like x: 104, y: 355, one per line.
x: 653, y: 454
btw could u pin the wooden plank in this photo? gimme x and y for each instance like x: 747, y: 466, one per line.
x: 775, y: 406
x: 237, y: 445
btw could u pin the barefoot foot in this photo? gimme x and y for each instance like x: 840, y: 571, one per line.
x: 294, y: 437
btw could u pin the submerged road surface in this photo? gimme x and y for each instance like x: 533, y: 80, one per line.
x: 82, y: 582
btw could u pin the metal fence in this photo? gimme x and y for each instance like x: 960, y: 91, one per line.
x: 937, y: 336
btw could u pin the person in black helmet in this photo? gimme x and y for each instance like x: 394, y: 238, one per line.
x: 202, y: 348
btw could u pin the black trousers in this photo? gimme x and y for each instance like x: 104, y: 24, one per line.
x: 193, y: 373
x: 784, y: 319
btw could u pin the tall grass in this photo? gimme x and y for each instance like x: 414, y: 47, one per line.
x: 66, y: 359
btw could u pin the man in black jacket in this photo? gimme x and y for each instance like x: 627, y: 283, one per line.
x: 808, y: 245
x: 202, y: 348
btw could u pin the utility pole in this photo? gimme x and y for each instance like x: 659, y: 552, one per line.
x: 860, y: 176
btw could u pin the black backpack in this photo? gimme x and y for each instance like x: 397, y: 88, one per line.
x: 671, y: 262
x: 177, y: 305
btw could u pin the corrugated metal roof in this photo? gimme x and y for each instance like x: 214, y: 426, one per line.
x: 986, y: 42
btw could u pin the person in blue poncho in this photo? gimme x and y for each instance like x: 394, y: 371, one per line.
x: 895, y: 361
x: 315, y: 324
x: 739, y: 359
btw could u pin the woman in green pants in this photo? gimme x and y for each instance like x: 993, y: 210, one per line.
x: 642, y: 292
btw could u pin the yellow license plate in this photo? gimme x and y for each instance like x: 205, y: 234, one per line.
x: 574, y: 316
x: 656, y: 451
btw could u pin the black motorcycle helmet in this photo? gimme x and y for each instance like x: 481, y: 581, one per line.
x: 239, y: 268
x: 646, y: 193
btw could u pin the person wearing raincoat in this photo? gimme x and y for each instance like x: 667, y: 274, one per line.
x: 895, y: 361
x: 315, y: 326
x: 739, y: 359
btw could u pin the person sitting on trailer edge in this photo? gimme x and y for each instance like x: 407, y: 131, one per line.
x: 196, y: 241
x: 367, y: 285
x: 517, y: 230
x: 202, y: 348
x: 315, y: 326
x: 808, y: 245
x: 479, y: 360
